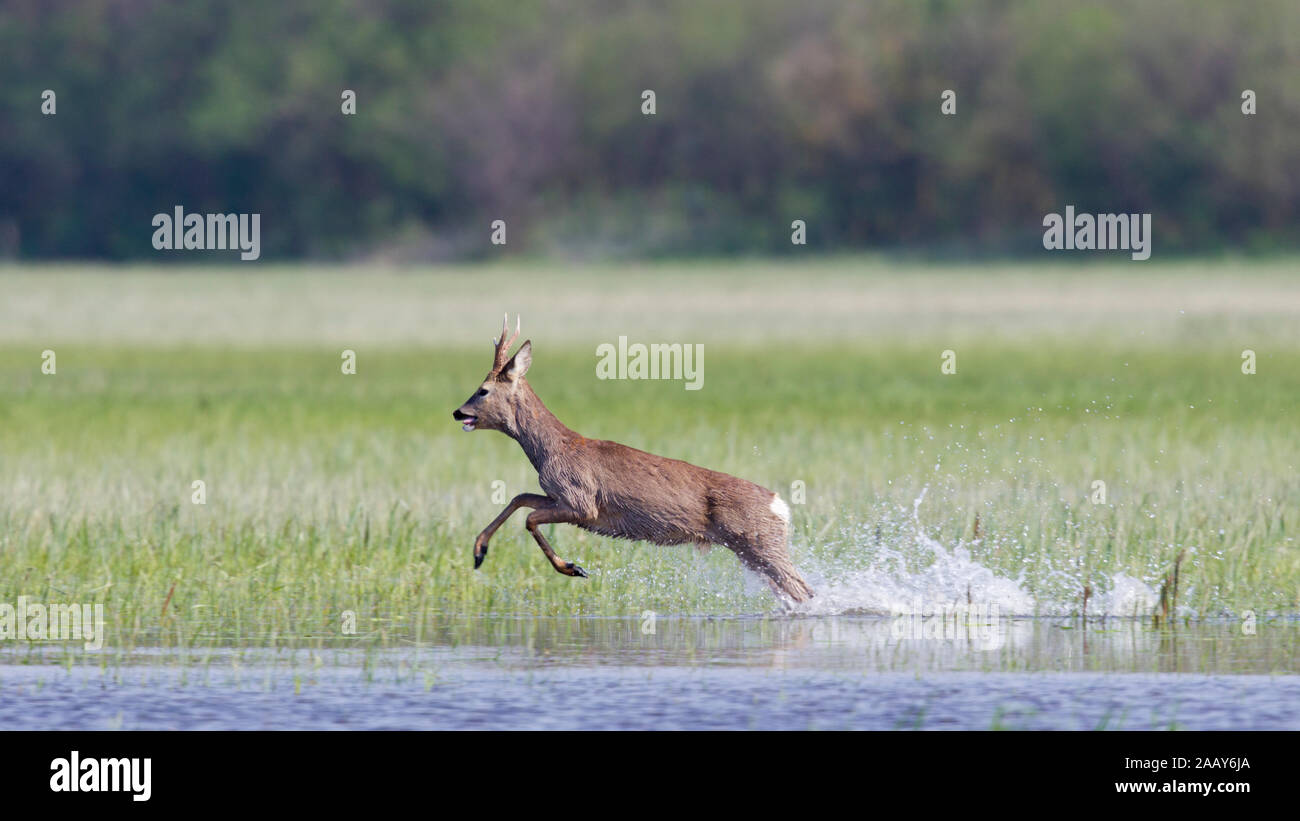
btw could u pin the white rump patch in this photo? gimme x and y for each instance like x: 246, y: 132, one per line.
x: 780, y: 508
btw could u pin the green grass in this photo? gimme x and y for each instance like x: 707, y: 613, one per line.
x: 328, y: 493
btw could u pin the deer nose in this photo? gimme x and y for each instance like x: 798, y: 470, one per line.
x: 459, y: 415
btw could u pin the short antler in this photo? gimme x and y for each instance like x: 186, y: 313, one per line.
x: 502, y: 344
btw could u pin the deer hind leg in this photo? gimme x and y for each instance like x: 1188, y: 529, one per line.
x: 533, y: 500
x: 554, y: 514
x: 769, y: 556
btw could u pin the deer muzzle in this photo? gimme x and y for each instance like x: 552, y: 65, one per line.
x: 467, y: 420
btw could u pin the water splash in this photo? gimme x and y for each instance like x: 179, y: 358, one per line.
x: 917, y: 575
x: 1127, y: 596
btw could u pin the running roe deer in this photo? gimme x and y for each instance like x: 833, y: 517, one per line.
x: 615, y: 490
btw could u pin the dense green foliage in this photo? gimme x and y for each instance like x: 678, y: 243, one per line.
x: 767, y: 111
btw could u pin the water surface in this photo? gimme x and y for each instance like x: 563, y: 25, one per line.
x: 843, y: 672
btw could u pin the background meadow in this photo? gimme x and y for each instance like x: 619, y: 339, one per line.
x: 328, y: 492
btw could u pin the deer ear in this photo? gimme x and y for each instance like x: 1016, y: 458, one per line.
x: 518, y: 364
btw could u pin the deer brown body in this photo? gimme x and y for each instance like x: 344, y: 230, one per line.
x: 619, y: 491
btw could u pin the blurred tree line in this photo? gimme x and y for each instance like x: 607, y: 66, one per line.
x: 767, y: 111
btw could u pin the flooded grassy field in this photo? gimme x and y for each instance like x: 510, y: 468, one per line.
x: 275, y: 542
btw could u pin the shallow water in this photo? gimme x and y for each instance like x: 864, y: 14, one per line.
x: 838, y: 672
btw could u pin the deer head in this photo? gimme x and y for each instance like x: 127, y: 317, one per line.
x: 493, y: 406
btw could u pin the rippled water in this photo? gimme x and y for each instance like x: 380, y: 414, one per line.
x: 771, y: 673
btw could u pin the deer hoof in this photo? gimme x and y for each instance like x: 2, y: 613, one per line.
x: 573, y: 570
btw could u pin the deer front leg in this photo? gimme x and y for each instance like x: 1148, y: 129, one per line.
x: 533, y: 500
x: 553, y: 513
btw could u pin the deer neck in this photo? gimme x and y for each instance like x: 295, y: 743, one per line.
x: 536, y: 429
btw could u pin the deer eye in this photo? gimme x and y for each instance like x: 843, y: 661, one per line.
x: 482, y: 392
